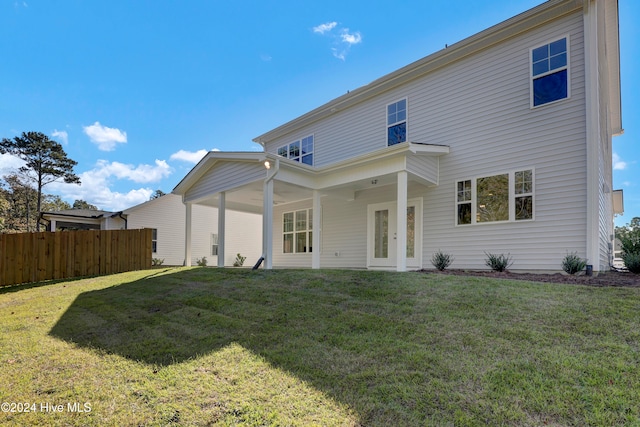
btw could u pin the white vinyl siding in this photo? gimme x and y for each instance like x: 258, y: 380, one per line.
x: 480, y: 108
x: 167, y: 214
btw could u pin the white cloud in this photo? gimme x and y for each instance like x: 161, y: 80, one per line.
x: 97, y: 183
x: 62, y: 135
x: 105, y: 137
x: 343, y: 39
x: 349, y: 38
x: 618, y: 164
x: 323, y: 28
x: 9, y: 164
x: 189, y: 156
x: 139, y: 174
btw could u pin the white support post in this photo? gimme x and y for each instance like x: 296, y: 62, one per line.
x: 187, y: 236
x: 52, y: 224
x: 221, y: 227
x: 401, y: 221
x: 267, y: 224
x: 315, y: 225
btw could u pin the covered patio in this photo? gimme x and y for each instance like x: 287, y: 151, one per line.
x: 257, y: 181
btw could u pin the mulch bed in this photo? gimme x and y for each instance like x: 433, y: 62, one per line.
x: 608, y: 279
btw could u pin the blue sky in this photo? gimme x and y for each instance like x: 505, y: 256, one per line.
x: 138, y: 91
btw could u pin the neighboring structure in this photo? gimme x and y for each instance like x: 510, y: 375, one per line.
x: 166, y: 216
x: 500, y: 143
x: 82, y: 219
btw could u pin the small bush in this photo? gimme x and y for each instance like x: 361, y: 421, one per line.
x: 632, y: 261
x: 572, y: 263
x: 156, y: 262
x: 441, y: 260
x: 498, y: 263
x: 239, y: 261
x: 202, y: 262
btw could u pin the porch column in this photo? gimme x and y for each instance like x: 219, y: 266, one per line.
x: 267, y: 224
x: 187, y: 236
x: 401, y: 234
x: 222, y: 200
x: 52, y: 224
x: 315, y: 240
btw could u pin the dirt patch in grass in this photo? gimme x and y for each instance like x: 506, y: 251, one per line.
x: 608, y: 279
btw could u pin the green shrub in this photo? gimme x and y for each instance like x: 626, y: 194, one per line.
x: 572, y: 263
x: 239, y: 261
x: 632, y: 261
x: 441, y: 260
x: 202, y: 262
x: 498, y: 262
x: 157, y: 261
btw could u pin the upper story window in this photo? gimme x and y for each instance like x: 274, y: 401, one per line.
x: 550, y: 72
x: 397, y: 122
x: 502, y: 197
x: 300, y: 150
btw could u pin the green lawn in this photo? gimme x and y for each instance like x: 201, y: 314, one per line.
x: 202, y: 346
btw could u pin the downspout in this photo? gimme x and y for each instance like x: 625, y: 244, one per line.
x: 126, y: 226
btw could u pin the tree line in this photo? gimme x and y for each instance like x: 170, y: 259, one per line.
x: 21, y: 192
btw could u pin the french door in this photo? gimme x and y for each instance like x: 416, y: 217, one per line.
x: 382, y: 234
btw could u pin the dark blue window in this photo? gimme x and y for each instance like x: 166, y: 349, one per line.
x: 549, y: 68
x: 397, y: 122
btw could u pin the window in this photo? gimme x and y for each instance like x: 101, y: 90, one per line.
x: 397, y: 122
x: 495, y: 198
x: 297, y: 234
x: 154, y: 240
x: 214, y: 244
x: 549, y: 72
x: 300, y: 150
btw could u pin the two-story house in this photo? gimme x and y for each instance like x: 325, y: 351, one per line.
x: 500, y: 143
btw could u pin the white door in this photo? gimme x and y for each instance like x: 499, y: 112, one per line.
x: 382, y: 234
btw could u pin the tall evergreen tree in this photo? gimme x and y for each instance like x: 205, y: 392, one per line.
x: 46, y: 161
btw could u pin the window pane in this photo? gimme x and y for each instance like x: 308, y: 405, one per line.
x: 402, y: 105
x: 464, y: 213
x: 492, y: 198
x: 397, y: 134
x: 310, y: 219
x: 301, y: 242
x: 524, y: 207
x: 307, y: 145
x: 557, y: 61
x: 301, y: 220
x: 308, y: 159
x: 540, y: 67
x: 540, y: 53
x: 411, y: 231
x: 287, y: 243
x: 557, y: 47
x: 550, y: 88
x: 294, y: 150
x: 524, y: 182
x: 464, y: 191
x: 282, y: 151
x: 154, y: 234
x: 381, y: 234
x: 310, y: 241
x: 287, y: 224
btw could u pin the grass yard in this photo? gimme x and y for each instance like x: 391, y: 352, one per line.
x: 202, y: 346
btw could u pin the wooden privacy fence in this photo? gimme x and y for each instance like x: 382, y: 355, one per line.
x: 34, y: 257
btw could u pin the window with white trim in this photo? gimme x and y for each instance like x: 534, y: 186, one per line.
x: 300, y: 150
x: 550, y: 72
x: 154, y: 240
x: 214, y: 244
x: 297, y: 231
x: 397, y: 122
x: 495, y: 198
